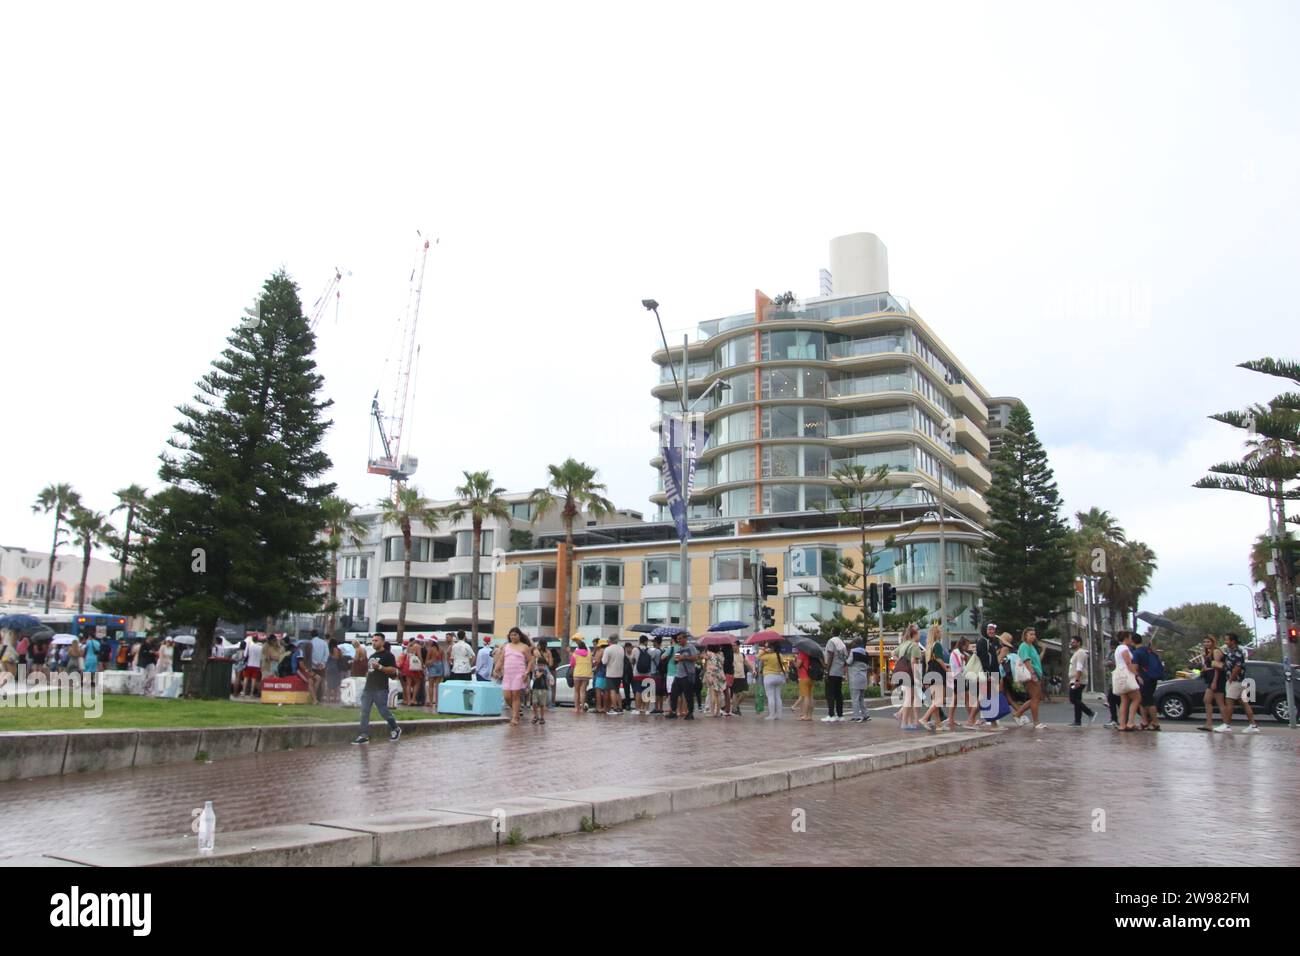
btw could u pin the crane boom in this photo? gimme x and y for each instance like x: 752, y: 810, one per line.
x: 318, y: 307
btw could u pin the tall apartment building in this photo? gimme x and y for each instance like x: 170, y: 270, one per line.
x: 852, y: 376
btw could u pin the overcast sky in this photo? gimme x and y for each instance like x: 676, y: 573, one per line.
x: 1093, y: 204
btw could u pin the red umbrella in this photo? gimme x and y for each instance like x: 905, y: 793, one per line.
x: 765, y: 637
x: 716, y: 640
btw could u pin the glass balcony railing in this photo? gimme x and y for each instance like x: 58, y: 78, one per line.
x: 818, y: 312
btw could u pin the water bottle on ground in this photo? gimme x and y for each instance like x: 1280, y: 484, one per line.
x: 207, y: 829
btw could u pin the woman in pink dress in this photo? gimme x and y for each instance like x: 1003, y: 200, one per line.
x: 514, y: 671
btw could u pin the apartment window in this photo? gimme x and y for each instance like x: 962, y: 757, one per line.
x: 535, y: 576
x: 738, y: 351
x: 601, y: 575
x: 794, y: 421
x: 421, y: 549
x: 810, y: 562
x: 462, y: 586
x: 737, y: 503
x: 597, y: 615
x: 662, y: 571
x: 354, y: 608
x: 661, y: 612
x: 536, y: 615
x: 40, y: 589
x: 522, y: 510
x: 802, y: 608
x: 356, y: 567
x: 24, y: 589
x: 465, y: 543
x: 793, y: 344
x: 731, y: 609
x: 735, y: 566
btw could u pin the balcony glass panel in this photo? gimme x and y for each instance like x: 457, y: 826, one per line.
x: 852, y: 347
x: 794, y: 344
x: 888, y: 419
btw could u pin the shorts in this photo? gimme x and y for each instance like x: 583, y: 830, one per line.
x: 541, y: 697
x: 434, y: 670
x: 1236, y: 690
x: 739, y: 685
x: 1149, y: 692
x: 805, y: 686
x: 252, y: 673
x: 601, y: 683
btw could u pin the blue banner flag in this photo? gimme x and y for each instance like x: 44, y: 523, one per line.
x: 670, y: 442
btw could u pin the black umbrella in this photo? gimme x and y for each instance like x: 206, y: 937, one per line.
x: 1155, y: 620
x: 809, y: 647
x: 643, y: 628
x: 42, y: 634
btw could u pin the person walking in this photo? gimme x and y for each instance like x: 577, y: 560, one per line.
x: 382, y: 666
x: 1078, y: 679
x: 907, y: 676
x: 1030, y: 674
x: 772, y: 669
x: 837, y: 655
x: 1124, y: 681
x: 614, y: 660
x: 1212, y: 672
x: 1235, y: 687
x: 512, y: 670
x: 580, y: 666
x: 859, y: 667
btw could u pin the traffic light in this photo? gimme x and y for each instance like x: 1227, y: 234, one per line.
x: 873, y: 598
x: 769, y: 615
x: 1291, y: 632
x: 975, y: 618
x: 767, y: 580
x: 890, y: 595
x: 1289, y: 605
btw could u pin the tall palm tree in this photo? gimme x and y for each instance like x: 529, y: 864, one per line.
x: 406, y: 506
x: 572, y: 488
x: 1098, y: 530
x: 479, y: 498
x: 132, y: 498
x: 89, y: 529
x: 340, y: 523
x: 59, y: 499
x: 1137, y: 566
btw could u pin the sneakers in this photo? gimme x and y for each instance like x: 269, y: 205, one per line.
x: 1251, y: 729
x: 1223, y: 729
x: 1092, y: 718
x: 828, y: 719
x: 614, y: 713
x: 1040, y: 726
x: 857, y: 720
x: 361, y: 739
x: 395, y: 734
x: 1111, y: 725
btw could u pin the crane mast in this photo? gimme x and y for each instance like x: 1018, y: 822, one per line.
x: 394, y: 464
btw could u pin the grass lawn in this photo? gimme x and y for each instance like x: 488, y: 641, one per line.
x: 122, y: 712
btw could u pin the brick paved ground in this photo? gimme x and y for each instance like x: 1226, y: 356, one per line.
x: 1177, y: 798
x: 96, y: 809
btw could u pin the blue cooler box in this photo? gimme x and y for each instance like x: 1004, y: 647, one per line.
x: 482, y: 698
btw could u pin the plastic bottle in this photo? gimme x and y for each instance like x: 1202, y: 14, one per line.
x: 207, y: 829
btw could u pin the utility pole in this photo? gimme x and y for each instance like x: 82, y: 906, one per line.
x: 1276, y: 527
x: 684, y: 469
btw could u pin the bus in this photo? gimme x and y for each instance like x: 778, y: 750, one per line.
x: 87, y: 625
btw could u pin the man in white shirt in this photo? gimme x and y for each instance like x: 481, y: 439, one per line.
x: 1078, y: 678
x: 614, y: 661
x: 462, y: 658
x: 252, y: 678
x: 837, y: 656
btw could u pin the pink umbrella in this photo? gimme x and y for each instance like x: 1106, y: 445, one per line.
x: 765, y: 637
x: 716, y: 640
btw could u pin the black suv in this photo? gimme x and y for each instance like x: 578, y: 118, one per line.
x: 1181, y: 698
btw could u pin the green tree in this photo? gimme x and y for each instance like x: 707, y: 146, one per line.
x: 403, y: 509
x: 573, y: 489
x: 132, y: 499
x: 480, y: 499
x: 235, y: 531
x: 58, y: 500
x: 340, y: 523
x: 89, y: 528
x: 1197, y: 620
x: 856, y: 496
x: 1028, y: 566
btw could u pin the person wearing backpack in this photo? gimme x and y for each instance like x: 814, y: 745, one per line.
x: 859, y: 667
x: 661, y: 660
x: 837, y: 655
x: 643, y: 667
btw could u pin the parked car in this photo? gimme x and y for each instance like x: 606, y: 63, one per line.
x: 1181, y: 698
x: 564, y: 693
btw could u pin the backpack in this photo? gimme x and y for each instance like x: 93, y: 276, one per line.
x: 285, y: 668
x: 643, y: 661
x: 1155, y: 666
x: 815, y: 670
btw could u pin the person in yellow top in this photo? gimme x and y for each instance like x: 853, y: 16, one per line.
x: 772, y: 667
x: 580, y: 663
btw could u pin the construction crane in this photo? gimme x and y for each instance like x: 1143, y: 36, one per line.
x: 393, y: 464
x: 318, y: 308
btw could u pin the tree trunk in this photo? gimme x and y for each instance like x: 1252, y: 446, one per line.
x: 54, y: 546
x: 334, y: 591
x: 406, y: 580
x: 199, y: 662
x: 473, y: 582
x: 81, y: 590
x: 562, y: 619
x: 126, y: 544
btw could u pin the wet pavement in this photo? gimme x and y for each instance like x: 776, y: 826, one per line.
x: 49, y: 814
x: 1181, y: 798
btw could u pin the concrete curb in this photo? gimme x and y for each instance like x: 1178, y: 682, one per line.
x: 415, y: 835
x: 46, y: 753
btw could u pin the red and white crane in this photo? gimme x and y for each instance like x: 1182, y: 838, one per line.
x: 392, y: 463
x: 318, y: 308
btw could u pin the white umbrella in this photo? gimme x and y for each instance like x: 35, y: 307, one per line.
x: 185, y: 639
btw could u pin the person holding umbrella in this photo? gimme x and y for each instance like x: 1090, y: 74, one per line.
x: 772, y: 670
x: 806, y: 652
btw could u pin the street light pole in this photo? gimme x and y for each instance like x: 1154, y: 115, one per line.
x: 1254, y: 617
x: 943, y: 571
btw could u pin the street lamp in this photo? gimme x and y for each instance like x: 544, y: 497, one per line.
x: 943, y: 572
x: 1254, y: 617
x: 652, y: 305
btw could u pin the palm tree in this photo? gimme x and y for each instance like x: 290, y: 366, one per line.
x: 1099, y: 531
x: 60, y: 499
x: 89, y: 529
x: 1137, y: 567
x: 574, y: 489
x: 407, y: 505
x: 340, y: 523
x: 132, y: 498
x: 479, y: 498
